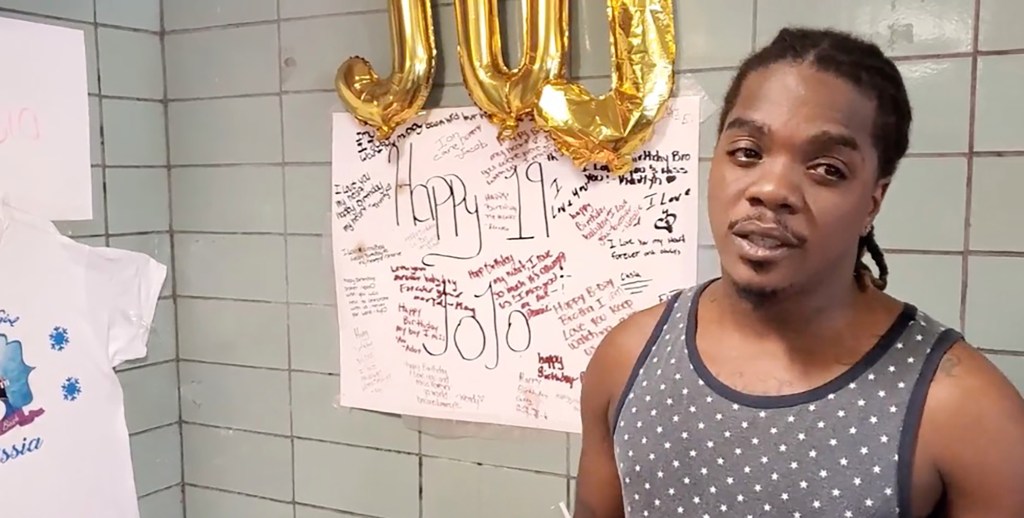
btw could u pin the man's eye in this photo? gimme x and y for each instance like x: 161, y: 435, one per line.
x: 745, y: 154
x: 830, y: 171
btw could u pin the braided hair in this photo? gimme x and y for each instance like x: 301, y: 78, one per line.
x: 865, y: 66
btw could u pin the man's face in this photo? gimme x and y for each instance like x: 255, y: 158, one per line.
x: 794, y: 179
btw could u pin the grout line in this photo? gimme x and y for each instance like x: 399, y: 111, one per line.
x: 275, y: 500
x: 375, y: 448
x: 128, y: 97
x: 969, y: 188
x: 173, y: 256
x: 313, y: 163
x: 753, y: 31
x: 155, y: 428
x: 141, y: 366
x: 155, y: 491
x: 103, y: 144
x: 287, y: 284
x: 53, y: 17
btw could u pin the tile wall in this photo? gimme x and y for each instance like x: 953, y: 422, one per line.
x: 248, y: 101
x: 131, y: 207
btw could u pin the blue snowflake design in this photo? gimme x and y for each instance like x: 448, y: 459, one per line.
x: 71, y: 389
x: 59, y: 339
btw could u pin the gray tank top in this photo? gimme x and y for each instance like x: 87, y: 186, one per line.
x: 687, y: 445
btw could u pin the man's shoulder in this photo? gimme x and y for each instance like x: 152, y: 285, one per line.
x: 965, y: 377
x: 615, y: 358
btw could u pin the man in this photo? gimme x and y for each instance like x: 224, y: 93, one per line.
x: 799, y: 388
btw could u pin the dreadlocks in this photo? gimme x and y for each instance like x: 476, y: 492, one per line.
x: 865, y: 66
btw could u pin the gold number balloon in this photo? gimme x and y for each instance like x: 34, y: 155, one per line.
x: 506, y: 95
x: 608, y: 129
x: 386, y: 103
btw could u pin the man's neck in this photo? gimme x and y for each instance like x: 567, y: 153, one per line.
x: 796, y: 314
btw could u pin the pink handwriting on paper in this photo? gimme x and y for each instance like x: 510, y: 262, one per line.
x: 19, y: 124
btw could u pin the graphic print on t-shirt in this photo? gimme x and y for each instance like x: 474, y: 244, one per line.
x: 16, y: 396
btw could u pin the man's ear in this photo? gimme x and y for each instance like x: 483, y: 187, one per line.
x: 881, y: 188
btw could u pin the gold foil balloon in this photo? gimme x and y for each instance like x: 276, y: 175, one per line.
x: 608, y: 129
x: 386, y: 103
x: 506, y: 95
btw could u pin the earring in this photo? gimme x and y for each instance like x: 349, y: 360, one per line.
x: 867, y: 230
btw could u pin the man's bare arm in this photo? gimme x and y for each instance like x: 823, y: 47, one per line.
x: 974, y: 426
x: 598, y: 491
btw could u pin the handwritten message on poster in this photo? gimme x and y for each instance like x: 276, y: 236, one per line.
x: 476, y: 278
x: 44, y: 120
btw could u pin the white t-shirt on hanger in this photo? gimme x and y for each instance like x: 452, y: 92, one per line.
x: 69, y: 313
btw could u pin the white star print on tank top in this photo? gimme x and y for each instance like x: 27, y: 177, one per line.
x: 687, y: 445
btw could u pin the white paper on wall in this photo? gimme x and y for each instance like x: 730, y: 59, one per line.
x: 44, y: 120
x: 476, y: 278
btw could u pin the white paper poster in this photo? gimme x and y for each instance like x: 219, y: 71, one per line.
x: 44, y: 120
x: 475, y: 278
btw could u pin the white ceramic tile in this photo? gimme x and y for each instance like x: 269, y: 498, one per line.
x: 990, y: 316
x: 459, y: 489
x: 150, y: 396
x: 996, y: 208
x: 302, y: 8
x: 95, y: 134
x: 157, y: 246
x: 312, y: 49
x: 208, y: 503
x: 228, y: 199
x: 999, y: 123
x: 228, y: 331
x: 307, y: 126
x: 225, y: 395
x: 139, y: 14
x: 302, y: 511
x: 96, y: 225
x: 535, y: 450
x: 704, y: 235
x: 386, y: 483
x: 1012, y: 367
x: 231, y: 266
x: 134, y: 133
x: 715, y: 84
x: 709, y: 266
x: 900, y: 27
x: 93, y: 241
x: 316, y: 416
x: 156, y: 459
x: 137, y: 200
x: 163, y: 504
x: 309, y: 263
x: 313, y: 335
x: 589, y: 39
x: 73, y: 9
x: 713, y: 34
x: 308, y: 198
x: 940, y: 96
x: 930, y: 282
x: 575, y: 443
x: 88, y: 30
x: 924, y: 207
x: 222, y: 62
x: 448, y: 96
x: 246, y: 462
x: 131, y: 64
x: 225, y: 131
x: 186, y: 14
x: 999, y: 28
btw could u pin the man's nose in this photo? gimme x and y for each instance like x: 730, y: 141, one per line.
x: 776, y: 187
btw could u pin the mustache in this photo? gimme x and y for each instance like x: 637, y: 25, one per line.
x: 767, y: 218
